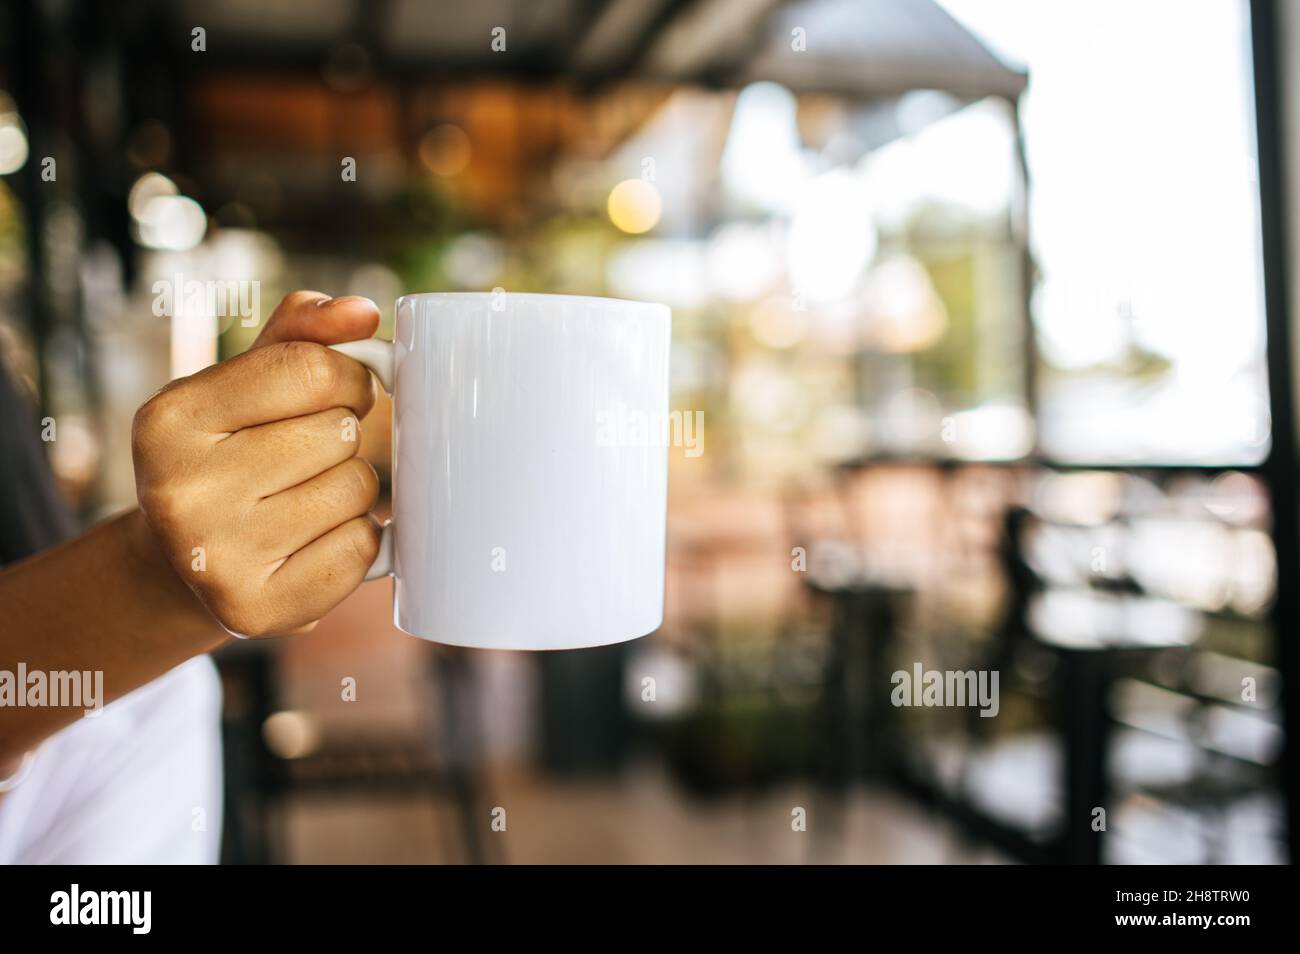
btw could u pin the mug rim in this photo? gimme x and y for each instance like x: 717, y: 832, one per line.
x: 545, y: 296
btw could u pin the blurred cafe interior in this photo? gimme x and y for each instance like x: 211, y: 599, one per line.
x: 982, y: 307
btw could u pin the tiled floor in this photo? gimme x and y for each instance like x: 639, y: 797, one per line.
x: 638, y: 818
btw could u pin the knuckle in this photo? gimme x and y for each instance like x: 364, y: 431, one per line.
x: 341, y: 424
x: 161, y: 414
x: 361, y: 541
x: 241, y: 616
x: 172, y: 500
x: 162, y: 501
x: 296, y: 299
x: 211, y: 585
x: 363, y: 482
x: 217, y: 588
x: 314, y: 367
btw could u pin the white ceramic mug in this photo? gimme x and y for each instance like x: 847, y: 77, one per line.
x: 530, y: 468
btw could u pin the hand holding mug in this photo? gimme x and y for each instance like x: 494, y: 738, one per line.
x: 248, y: 472
x: 529, y: 462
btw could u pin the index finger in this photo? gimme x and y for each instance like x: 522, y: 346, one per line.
x: 273, y: 383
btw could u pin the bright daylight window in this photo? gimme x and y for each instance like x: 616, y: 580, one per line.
x: 1139, y: 136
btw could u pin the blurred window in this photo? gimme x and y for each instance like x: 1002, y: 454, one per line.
x: 1140, y: 139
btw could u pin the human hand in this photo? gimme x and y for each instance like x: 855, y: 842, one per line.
x: 248, y: 475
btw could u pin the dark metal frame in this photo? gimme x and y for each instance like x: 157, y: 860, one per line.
x: 1280, y: 469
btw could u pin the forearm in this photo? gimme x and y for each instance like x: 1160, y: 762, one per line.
x: 107, y: 602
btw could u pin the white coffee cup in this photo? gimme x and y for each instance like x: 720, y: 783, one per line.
x: 530, y: 468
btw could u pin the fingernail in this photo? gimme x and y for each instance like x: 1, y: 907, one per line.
x: 350, y: 299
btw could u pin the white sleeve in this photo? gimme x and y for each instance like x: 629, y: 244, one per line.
x: 138, y: 783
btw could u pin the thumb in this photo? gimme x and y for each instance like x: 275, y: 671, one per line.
x: 313, y: 316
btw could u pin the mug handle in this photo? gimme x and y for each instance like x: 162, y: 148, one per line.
x: 377, y: 355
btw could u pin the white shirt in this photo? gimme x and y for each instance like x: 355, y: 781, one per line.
x: 138, y: 783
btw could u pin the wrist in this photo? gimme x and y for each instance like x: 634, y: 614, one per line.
x: 151, y: 569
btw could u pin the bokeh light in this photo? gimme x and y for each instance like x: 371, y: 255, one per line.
x: 13, y: 138
x: 172, y: 222
x: 445, y: 150
x: 635, y: 206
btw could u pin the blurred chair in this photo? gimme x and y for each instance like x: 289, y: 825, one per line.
x: 440, y: 759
